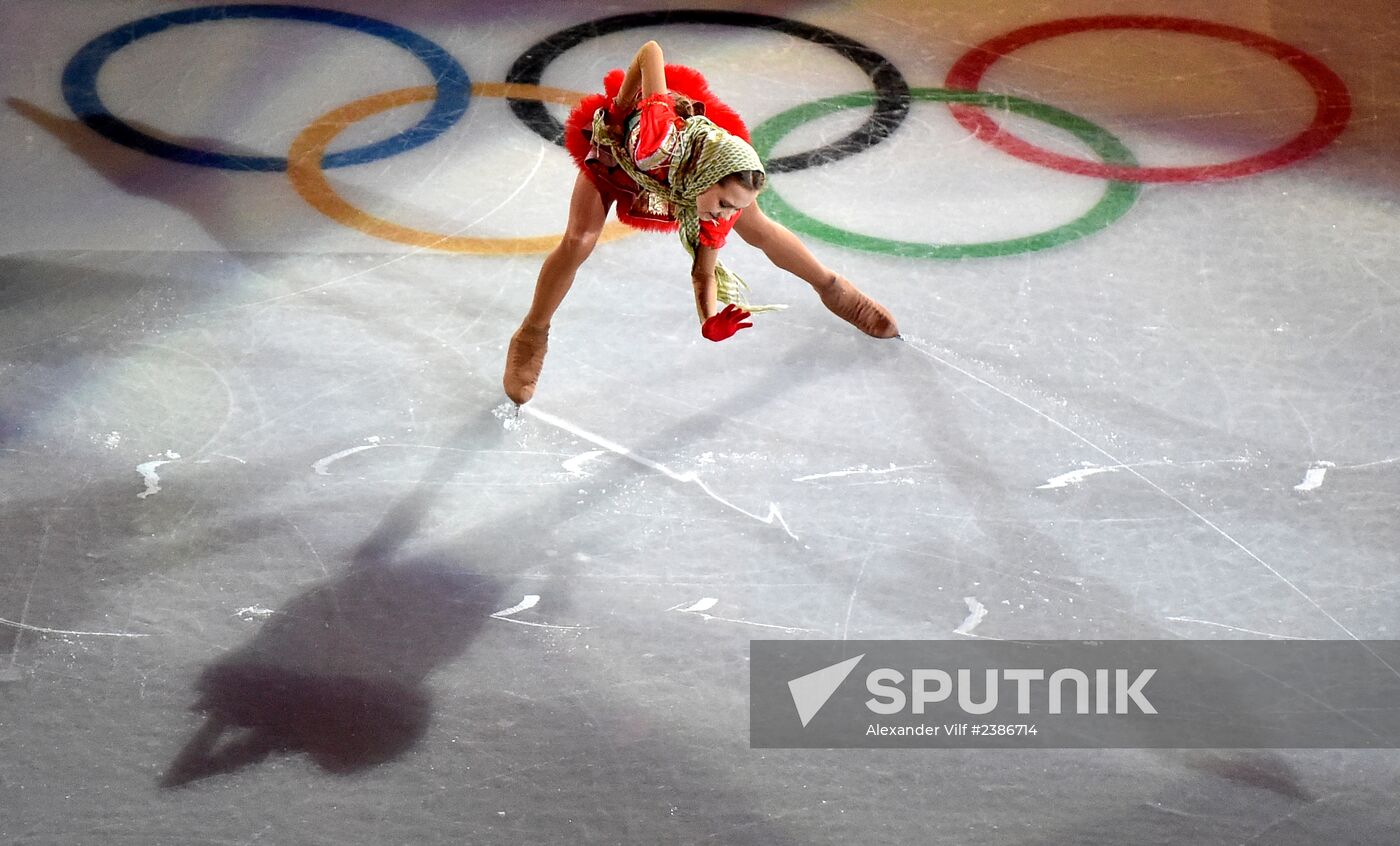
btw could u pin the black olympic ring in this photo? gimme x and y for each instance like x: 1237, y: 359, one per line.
x: 891, y: 101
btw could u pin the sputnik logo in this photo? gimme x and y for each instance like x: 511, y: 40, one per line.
x: 811, y: 692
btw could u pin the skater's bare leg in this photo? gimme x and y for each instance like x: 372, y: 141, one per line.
x: 783, y: 248
x: 587, y: 214
x: 787, y: 251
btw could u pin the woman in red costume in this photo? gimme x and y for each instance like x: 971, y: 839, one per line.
x: 662, y: 148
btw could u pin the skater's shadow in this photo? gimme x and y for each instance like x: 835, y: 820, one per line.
x: 236, y: 209
x: 205, y: 194
x: 340, y: 671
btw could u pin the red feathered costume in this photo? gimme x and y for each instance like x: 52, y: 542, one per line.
x: 616, y: 186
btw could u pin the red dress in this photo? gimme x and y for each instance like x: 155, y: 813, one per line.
x: 648, y: 143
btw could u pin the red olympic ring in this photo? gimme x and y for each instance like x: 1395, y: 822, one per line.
x: 1333, y: 100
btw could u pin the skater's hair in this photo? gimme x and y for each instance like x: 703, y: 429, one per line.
x: 754, y: 180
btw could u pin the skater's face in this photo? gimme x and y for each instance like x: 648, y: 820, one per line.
x: 723, y: 200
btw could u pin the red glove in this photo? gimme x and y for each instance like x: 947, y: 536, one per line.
x: 725, y: 323
x: 656, y: 123
x: 714, y: 232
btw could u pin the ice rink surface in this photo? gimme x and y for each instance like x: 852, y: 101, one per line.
x: 255, y: 457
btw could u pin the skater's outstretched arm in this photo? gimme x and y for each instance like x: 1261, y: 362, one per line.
x: 702, y: 277
x: 715, y: 325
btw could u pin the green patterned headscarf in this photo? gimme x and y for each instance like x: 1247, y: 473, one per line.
x: 704, y: 154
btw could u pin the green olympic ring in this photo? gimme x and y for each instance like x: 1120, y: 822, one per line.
x: 1116, y: 200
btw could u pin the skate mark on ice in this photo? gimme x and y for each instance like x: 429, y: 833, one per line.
x: 1074, y: 477
x: 25, y: 627
x: 859, y: 471
x: 922, y: 348
x: 150, y: 477
x: 1235, y: 628
x: 705, y: 603
x: 530, y: 600
x: 320, y: 465
x: 1317, y: 471
x: 774, y: 515
x: 976, y: 611
x: 1312, y: 479
x: 575, y: 465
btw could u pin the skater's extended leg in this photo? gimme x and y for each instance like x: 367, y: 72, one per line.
x: 587, y: 214
x: 788, y: 252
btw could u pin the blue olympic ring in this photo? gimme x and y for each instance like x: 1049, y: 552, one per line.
x: 80, y: 85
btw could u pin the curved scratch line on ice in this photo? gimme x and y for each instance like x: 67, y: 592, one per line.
x: 230, y: 401
x: 1074, y: 477
x: 221, y: 455
x: 529, y: 601
x: 705, y: 603
x: 321, y: 464
x: 575, y: 465
x: 860, y: 471
x: 1235, y: 628
x: 28, y: 628
x: 919, y: 347
x: 1317, y: 472
x: 1369, y: 464
x: 536, y: 625
x: 773, y: 516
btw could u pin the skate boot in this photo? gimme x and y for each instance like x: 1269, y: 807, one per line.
x: 847, y: 302
x: 523, y: 362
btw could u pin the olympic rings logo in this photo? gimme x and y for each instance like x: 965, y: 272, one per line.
x: 889, y: 100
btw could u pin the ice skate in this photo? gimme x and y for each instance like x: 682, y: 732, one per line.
x: 849, y: 303
x: 524, y: 360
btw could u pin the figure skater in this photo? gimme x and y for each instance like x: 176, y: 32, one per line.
x: 662, y: 147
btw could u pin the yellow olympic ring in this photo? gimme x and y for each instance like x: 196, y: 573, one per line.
x: 309, y: 179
